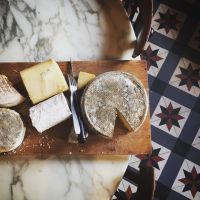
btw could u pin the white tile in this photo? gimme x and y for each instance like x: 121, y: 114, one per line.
x: 162, y: 53
x: 163, y: 149
x: 175, y: 105
x: 175, y: 81
x: 161, y: 164
x: 196, y: 142
x: 158, y: 110
x: 126, y: 184
x: 114, y: 197
x: 121, y: 186
x: 164, y: 153
x: 172, y: 33
x: 179, y: 186
x: 184, y: 112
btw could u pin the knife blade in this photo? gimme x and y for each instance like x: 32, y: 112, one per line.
x: 83, y: 135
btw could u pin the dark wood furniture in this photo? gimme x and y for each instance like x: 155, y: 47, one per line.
x: 140, y: 13
x: 144, y: 180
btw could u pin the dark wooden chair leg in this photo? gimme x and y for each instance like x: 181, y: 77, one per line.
x: 145, y: 181
x: 144, y: 9
x: 146, y: 184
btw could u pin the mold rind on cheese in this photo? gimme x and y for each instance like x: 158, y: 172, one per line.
x: 50, y: 112
x: 12, y: 130
x: 9, y: 96
x: 113, y: 92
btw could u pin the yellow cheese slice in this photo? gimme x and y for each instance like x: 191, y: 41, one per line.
x: 84, y: 78
x: 43, y: 80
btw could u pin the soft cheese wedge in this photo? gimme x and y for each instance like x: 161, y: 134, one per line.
x: 12, y: 130
x: 9, y: 96
x: 84, y: 78
x: 50, y: 112
x: 43, y: 81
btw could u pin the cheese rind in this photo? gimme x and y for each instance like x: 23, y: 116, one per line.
x: 49, y: 113
x: 12, y: 130
x: 110, y: 95
x: 43, y: 81
x: 84, y: 78
x: 9, y: 96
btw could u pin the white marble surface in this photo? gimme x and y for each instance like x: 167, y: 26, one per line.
x: 57, y: 178
x: 35, y: 30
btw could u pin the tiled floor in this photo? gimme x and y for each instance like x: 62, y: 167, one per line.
x: 173, y: 56
x: 183, y: 183
x: 157, y: 159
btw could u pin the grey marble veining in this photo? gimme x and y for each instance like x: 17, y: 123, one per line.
x: 83, y: 29
x: 36, y: 30
x: 61, y: 178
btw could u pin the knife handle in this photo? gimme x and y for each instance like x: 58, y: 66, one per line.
x: 82, y: 135
x: 75, y: 116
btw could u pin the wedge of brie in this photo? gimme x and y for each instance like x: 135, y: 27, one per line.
x: 9, y: 96
x: 50, y: 112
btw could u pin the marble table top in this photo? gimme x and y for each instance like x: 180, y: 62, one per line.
x: 33, y: 30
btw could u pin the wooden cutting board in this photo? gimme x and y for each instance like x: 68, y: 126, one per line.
x: 55, y: 140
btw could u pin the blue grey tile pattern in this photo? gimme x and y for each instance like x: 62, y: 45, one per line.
x: 173, y: 56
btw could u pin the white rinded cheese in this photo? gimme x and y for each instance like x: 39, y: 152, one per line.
x: 9, y: 96
x: 12, y: 130
x: 43, y: 80
x: 50, y: 112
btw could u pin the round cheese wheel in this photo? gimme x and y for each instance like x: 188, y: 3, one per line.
x: 12, y: 130
x: 114, y: 94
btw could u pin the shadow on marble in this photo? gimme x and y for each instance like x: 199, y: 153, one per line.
x: 116, y: 21
x: 69, y: 157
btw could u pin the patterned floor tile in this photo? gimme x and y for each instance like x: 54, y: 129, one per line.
x: 186, y: 77
x: 155, y: 57
x: 172, y: 54
x: 125, y: 190
x: 187, y: 181
x: 196, y: 142
x: 170, y: 116
x: 157, y: 159
x: 194, y: 42
x: 168, y: 21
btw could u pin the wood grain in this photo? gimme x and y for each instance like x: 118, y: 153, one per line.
x: 55, y: 140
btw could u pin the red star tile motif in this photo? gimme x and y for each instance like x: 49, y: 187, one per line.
x: 150, y: 160
x: 169, y: 116
x: 191, y: 181
x: 126, y: 195
x: 189, y: 77
x: 167, y: 21
x: 151, y: 56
